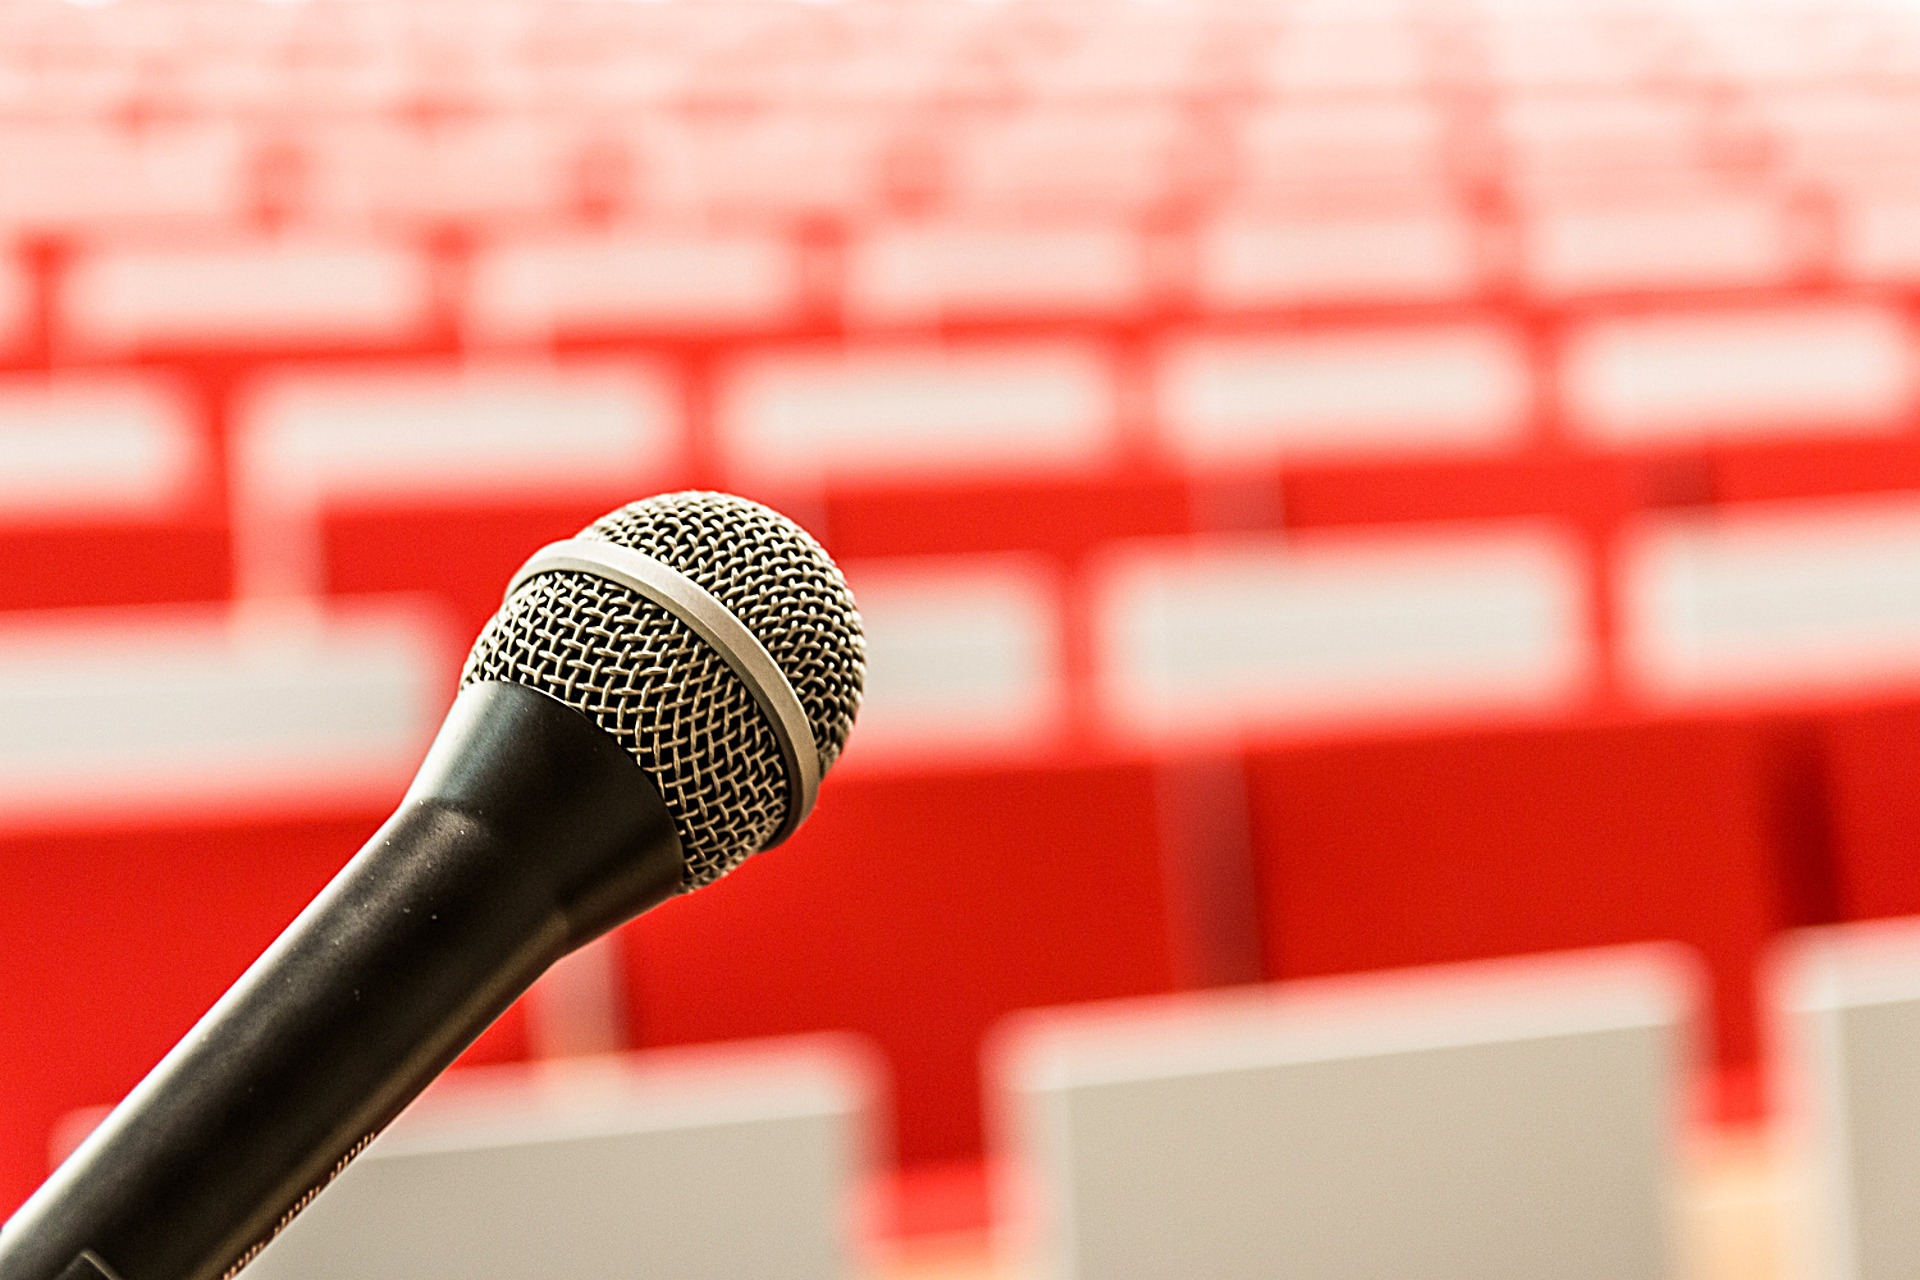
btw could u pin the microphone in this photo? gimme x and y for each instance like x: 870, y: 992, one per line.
x: 656, y: 700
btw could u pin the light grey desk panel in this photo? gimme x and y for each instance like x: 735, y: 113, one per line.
x: 1849, y: 1004
x: 1489, y: 1122
x: 740, y: 1164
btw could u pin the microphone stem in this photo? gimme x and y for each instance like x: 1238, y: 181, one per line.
x: 528, y: 831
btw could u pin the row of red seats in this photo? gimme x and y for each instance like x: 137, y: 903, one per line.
x: 870, y: 51
x: 892, y: 917
x: 1094, y: 871
x: 1155, y: 160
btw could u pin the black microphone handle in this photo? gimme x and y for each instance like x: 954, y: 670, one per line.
x: 528, y: 832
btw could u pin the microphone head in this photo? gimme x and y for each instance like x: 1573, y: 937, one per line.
x: 657, y: 623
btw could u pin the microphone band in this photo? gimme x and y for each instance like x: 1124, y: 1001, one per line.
x: 714, y: 623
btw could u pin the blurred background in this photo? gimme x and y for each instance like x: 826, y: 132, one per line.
x: 1331, y: 487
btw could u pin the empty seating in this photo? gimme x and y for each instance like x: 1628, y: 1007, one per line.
x: 333, y: 300
x: 918, y: 908
x: 1848, y: 1004
x: 1871, y: 760
x: 733, y: 1163
x: 1508, y: 1119
x: 1469, y: 845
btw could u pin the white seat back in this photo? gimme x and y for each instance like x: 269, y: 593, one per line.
x: 1499, y: 1121
x: 725, y: 1164
x: 1848, y: 1000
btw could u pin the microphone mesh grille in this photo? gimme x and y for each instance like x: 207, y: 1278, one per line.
x: 664, y: 693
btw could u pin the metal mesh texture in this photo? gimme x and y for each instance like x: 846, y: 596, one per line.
x: 663, y: 692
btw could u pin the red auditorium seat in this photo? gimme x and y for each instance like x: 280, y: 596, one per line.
x: 1872, y: 762
x: 149, y: 562
x: 1396, y: 853
x: 919, y: 910
x: 461, y: 555
x: 105, y: 496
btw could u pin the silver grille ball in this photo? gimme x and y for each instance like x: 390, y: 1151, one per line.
x: 664, y: 693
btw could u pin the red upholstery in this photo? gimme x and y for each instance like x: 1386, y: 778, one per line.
x: 1469, y: 846
x: 918, y: 911
x: 1873, y: 788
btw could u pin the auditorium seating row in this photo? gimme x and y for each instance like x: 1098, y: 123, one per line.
x: 1786, y: 161
x: 919, y: 907
x: 1511, y: 1117
x: 351, y: 294
x: 375, y: 49
x: 166, y: 115
x: 1181, y: 541
x: 1457, y: 535
x: 223, y: 55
